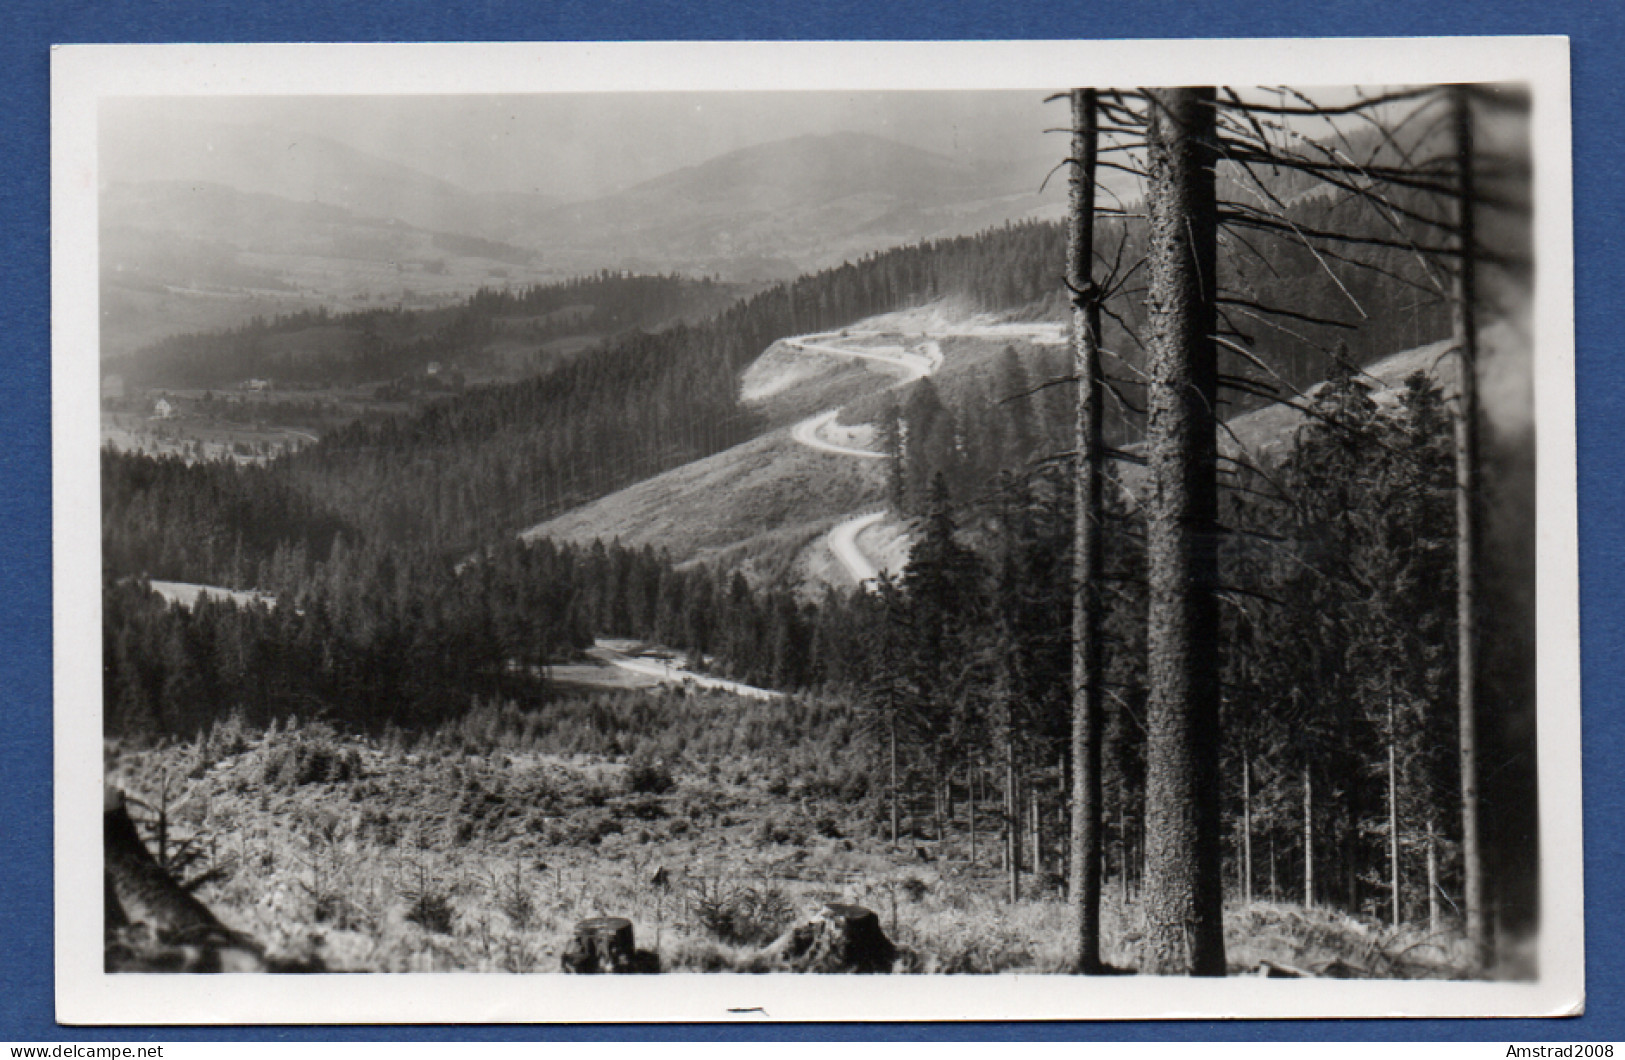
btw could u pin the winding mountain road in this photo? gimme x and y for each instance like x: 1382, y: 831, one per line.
x: 843, y: 541
x: 913, y: 362
x: 916, y: 363
x: 810, y: 432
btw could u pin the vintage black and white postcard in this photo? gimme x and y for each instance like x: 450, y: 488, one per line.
x: 707, y: 532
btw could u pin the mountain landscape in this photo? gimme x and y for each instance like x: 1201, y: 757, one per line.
x: 707, y: 552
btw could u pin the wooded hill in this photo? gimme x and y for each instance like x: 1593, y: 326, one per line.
x: 483, y: 465
x: 502, y: 332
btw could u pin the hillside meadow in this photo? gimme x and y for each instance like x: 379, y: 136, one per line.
x: 715, y: 824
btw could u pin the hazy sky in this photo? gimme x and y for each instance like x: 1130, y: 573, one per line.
x: 584, y: 145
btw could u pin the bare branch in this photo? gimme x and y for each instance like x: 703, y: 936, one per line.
x: 1316, y: 110
x: 1243, y: 303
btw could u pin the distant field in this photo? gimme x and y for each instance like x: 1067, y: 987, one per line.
x: 191, y: 440
x: 583, y: 676
x: 187, y: 594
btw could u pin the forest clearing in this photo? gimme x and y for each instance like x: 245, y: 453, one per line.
x: 479, y: 848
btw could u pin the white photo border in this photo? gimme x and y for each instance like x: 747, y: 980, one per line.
x: 83, y: 75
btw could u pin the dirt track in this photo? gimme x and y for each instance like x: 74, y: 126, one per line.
x: 673, y: 673
x: 843, y: 541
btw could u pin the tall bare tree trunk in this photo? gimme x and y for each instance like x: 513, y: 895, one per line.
x: 1012, y: 821
x: 1184, y: 885
x: 1433, y: 878
x: 936, y: 800
x: 1246, y: 830
x: 1308, y: 837
x: 1393, y: 816
x: 1063, y: 823
x: 1035, y: 826
x: 1089, y: 550
x: 1465, y: 328
x: 1351, y: 842
x: 975, y: 776
x: 1122, y: 843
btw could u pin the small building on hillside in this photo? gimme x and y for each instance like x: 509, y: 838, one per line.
x: 162, y: 409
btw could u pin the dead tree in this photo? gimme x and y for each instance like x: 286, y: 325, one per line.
x: 1088, y: 541
x: 1465, y: 336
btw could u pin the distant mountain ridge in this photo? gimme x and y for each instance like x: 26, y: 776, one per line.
x: 808, y: 201
x: 261, y: 223
x: 188, y: 256
x: 205, y: 231
x: 313, y: 169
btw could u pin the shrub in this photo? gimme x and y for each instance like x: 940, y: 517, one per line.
x: 310, y: 756
x: 583, y: 829
x: 648, y: 775
x: 432, y: 912
x: 770, y: 831
x: 644, y: 809
x: 427, y: 905
x: 597, y: 827
x: 741, y: 915
x: 379, y: 826
x: 226, y: 738
x: 515, y: 901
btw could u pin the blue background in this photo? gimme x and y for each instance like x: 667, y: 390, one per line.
x: 27, y: 29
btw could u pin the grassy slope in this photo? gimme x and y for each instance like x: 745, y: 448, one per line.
x: 765, y: 486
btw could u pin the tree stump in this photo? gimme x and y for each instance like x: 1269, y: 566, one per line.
x: 840, y: 938
x: 601, y: 944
